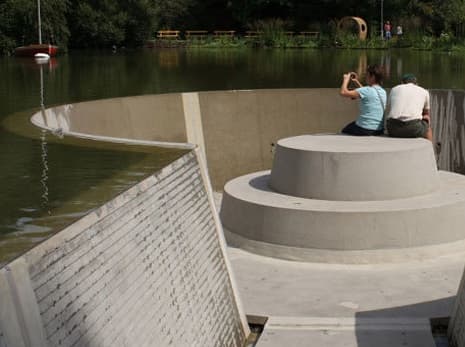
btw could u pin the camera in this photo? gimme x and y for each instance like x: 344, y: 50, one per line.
x: 353, y: 76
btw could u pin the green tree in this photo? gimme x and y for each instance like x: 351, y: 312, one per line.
x: 172, y: 14
x: 97, y: 23
x: 451, y: 14
x: 141, y: 20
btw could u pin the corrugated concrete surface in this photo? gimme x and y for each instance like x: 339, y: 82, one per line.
x: 456, y: 331
x: 145, y: 269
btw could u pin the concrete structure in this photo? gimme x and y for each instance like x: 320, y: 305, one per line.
x: 347, y: 168
x: 234, y: 128
x: 347, y: 305
x: 337, y: 198
x: 146, y: 269
x: 307, y: 304
x: 456, y: 331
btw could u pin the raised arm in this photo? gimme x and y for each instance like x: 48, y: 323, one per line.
x: 345, y: 90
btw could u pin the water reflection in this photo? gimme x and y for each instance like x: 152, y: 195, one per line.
x: 168, y: 58
x: 43, y: 141
x: 44, y: 175
x: 362, y: 64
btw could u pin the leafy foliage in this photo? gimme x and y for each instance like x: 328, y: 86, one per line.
x: 104, y: 23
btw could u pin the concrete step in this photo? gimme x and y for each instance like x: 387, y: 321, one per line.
x: 266, y: 222
x: 346, y: 332
x: 340, y: 167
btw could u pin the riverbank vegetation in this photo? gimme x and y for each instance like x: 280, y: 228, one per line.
x: 427, y: 24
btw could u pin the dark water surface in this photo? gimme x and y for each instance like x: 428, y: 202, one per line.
x: 47, y: 182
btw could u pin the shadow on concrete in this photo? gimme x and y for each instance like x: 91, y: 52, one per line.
x: 401, y: 326
x: 261, y: 182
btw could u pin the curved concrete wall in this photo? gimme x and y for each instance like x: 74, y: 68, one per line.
x: 236, y: 128
x: 148, y: 118
x: 163, y: 117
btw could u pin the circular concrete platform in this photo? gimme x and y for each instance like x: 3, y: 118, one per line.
x: 334, y: 198
x: 340, y: 167
x: 273, y: 224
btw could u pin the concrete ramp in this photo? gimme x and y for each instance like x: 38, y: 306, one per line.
x: 336, y: 198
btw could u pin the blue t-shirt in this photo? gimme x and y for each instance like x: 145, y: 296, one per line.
x: 372, y: 104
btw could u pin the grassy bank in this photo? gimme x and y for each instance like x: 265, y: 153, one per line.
x: 282, y: 39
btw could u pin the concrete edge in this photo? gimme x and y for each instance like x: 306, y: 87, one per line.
x: 222, y: 240
x: 309, y: 255
x: 347, y: 323
x: 35, y: 120
x: 23, y: 323
x: 193, y: 122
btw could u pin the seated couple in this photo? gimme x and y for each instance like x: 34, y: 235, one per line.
x: 408, y: 106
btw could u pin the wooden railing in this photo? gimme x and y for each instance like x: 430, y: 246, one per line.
x: 196, y: 34
x: 252, y: 34
x: 168, y: 34
x: 224, y: 33
x: 201, y: 34
x: 310, y: 34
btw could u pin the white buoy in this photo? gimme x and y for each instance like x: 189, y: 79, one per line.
x: 41, y: 57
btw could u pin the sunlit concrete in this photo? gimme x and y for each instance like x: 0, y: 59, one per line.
x: 262, y: 220
x: 235, y: 128
x: 308, y: 304
x: 315, y: 304
x: 351, y: 305
x: 336, y: 198
x: 348, y: 168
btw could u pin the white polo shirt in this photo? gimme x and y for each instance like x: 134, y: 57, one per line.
x: 407, y: 102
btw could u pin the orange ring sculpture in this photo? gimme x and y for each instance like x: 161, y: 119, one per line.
x: 362, y: 26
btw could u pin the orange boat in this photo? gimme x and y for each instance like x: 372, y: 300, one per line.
x: 31, y: 50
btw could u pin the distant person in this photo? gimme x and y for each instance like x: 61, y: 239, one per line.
x: 409, y: 107
x: 399, y: 32
x: 372, y: 102
x: 387, y: 30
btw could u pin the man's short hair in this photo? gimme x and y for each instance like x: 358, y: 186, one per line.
x: 409, y: 78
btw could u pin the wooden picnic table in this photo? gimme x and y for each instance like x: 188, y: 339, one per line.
x: 312, y: 34
x: 199, y: 34
x: 229, y: 33
x: 252, y: 33
x: 168, y: 34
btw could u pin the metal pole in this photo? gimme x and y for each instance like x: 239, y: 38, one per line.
x: 39, y: 24
x: 382, y: 21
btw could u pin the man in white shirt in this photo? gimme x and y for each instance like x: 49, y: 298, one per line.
x: 409, y: 106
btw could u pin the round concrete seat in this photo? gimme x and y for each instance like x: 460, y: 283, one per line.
x: 279, y: 225
x: 340, y: 167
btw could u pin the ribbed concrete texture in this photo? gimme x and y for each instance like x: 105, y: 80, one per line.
x: 146, y: 269
x: 329, y: 167
x: 398, y: 219
x: 456, y: 331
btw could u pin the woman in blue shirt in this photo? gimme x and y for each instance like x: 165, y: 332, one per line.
x: 372, y: 102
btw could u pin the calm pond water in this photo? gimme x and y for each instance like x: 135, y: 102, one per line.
x: 47, y: 182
